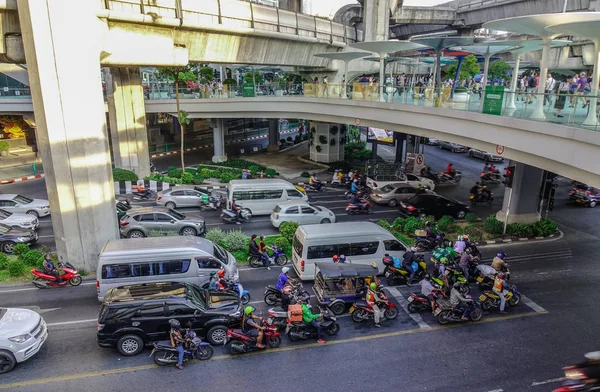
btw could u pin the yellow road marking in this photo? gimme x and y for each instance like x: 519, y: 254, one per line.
x: 269, y: 351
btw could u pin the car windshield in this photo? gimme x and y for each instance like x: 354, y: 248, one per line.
x: 196, y: 295
x: 176, y: 215
x: 4, y: 214
x: 220, y: 254
x: 387, y: 189
x: 4, y: 229
x: 22, y: 199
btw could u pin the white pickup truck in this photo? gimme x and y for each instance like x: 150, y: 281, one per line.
x: 410, y: 179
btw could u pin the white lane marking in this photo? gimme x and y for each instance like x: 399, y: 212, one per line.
x: 404, y: 305
x: 233, y: 227
x: 37, y: 309
x: 46, y: 236
x: 35, y: 288
x: 552, y: 380
x: 496, y: 390
x: 72, y: 322
x: 533, y: 305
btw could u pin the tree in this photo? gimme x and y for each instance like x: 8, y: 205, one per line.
x: 206, y: 75
x: 180, y: 75
x: 258, y: 78
x: 498, y: 70
x: 468, y: 69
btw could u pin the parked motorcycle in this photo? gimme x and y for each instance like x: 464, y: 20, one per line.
x: 396, y: 276
x: 490, y: 299
x: 354, y: 209
x: 42, y: 280
x: 143, y: 195
x: 165, y: 354
x: 279, y: 258
x: 230, y: 216
x: 272, y: 295
x: 302, y: 331
x: 361, y: 311
x: 239, y: 343
x: 447, y: 314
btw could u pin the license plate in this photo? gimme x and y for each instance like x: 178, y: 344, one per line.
x: 410, y: 299
x: 479, y: 279
x: 351, y: 309
x: 482, y: 297
x: 437, y: 311
x: 387, y: 274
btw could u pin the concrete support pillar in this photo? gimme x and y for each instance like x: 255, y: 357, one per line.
x: 513, y: 83
x: 400, y: 138
x: 127, y: 117
x: 486, y: 69
x: 376, y: 20
x: 219, y: 141
x: 592, y: 117
x: 381, y: 76
x: 69, y: 111
x: 522, y: 204
x: 273, y: 135
x: 538, y: 111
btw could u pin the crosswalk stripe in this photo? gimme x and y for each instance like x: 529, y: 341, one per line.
x: 537, y: 308
x: 404, y: 305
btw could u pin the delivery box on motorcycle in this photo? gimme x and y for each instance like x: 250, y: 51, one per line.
x: 295, y: 313
x: 420, y: 233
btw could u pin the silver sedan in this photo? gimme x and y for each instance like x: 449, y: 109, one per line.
x: 17, y: 219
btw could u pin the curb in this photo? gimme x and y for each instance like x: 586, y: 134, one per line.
x: 553, y: 237
x: 21, y: 179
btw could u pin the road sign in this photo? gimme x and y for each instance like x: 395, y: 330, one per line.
x: 499, y: 149
x: 492, y: 100
x: 420, y: 159
x: 248, y: 90
x: 357, y: 121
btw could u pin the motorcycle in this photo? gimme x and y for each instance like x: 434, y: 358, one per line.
x: 361, y: 311
x: 453, y: 277
x: 446, y: 313
x: 279, y: 258
x: 142, y: 195
x: 361, y: 193
x: 485, y: 198
x: 239, y: 343
x: 230, y: 216
x: 239, y: 289
x: 318, y: 187
x: 486, y: 281
x: 42, y: 280
x: 426, y: 244
x: 581, y: 377
x: 396, y: 276
x: 490, y: 299
x: 418, y: 302
x: 214, y: 204
x: 301, y: 330
x: 163, y: 353
x: 336, y: 182
x: 354, y: 209
x: 445, y: 178
x: 490, y: 178
x: 272, y: 294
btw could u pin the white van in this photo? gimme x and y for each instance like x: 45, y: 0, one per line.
x: 161, y: 259
x: 360, y: 242
x: 262, y: 196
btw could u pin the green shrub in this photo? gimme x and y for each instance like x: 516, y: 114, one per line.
x: 187, y: 177
x: 474, y: 231
x: 430, y: 219
x: 305, y: 174
x: 33, y: 258
x: 20, y: 249
x: 191, y: 170
x: 226, y: 177
x: 4, y: 146
x: 255, y: 169
x: 270, y: 172
x: 235, y: 240
x: 520, y: 230
x: 493, y: 225
x: 407, y: 240
x: 289, y: 138
x: 544, y: 228
x: 174, y: 172
x: 323, y: 139
x: 215, y: 235
x: 398, y: 224
x: 413, y: 224
x: 16, y: 267
x: 445, y: 223
x: 452, y: 228
x: 288, y: 229
x: 383, y: 223
x: 4, y: 260
x: 197, y: 179
x: 282, y: 243
x: 471, y: 217
x: 124, y: 175
x: 297, y: 139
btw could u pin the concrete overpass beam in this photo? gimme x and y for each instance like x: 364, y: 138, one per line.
x: 71, y: 125
x: 127, y: 117
x: 377, y: 20
x: 219, y: 141
x: 424, y: 15
x: 521, y: 201
x: 273, y: 135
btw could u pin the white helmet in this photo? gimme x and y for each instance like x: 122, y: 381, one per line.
x: 414, y: 249
x: 285, y: 270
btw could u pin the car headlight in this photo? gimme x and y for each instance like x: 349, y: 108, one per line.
x: 20, y: 338
x: 44, y: 207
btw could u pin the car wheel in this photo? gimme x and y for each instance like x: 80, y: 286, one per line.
x: 7, y: 361
x: 392, y: 203
x: 471, y: 154
x: 592, y: 204
x: 33, y: 213
x: 170, y: 205
x: 135, y: 234
x: 130, y: 345
x: 217, y: 335
x: 8, y: 246
x: 188, y: 231
x: 460, y: 215
x: 338, y: 308
x: 325, y: 220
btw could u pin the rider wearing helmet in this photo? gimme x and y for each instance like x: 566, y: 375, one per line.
x: 50, y: 269
x: 221, y: 281
x: 177, y: 341
x: 335, y: 259
x: 407, y: 260
x: 498, y: 263
x: 286, y: 297
x: 372, y: 299
x: 250, y: 327
x: 283, y: 278
x: 459, y: 301
x: 354, y: 186
x: 213, y: 283
x: 500, y: 289
x: 467, y: 240
x: 465, y: 259
x: 313, y: 319
x: 314, y: 181
x: 460, y: 245
x: 429, y: 233
x: 342, y: 259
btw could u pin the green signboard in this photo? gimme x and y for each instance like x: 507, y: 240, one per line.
x: 492, y: 100
x: 247, y: 89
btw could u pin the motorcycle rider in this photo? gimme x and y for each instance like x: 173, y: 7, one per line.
x: 221, y: 281
x: 407, y: 259
x: 251, y: 328
x: 465, y: 259
x: 314, y: 182
x: 450, y: 172
x: 237, y: 210
x: 262, y: 248
x: 213, y: 283
x: 177, y: 341
x: 355, y: 200
x: 459, y: 301
x: 372, y: 300
x: 485, y: 194
x: 429, y: 291
x: 309, y: 318
x: 49, y: 268
x: 253, y: 250
x: 286, y: 297
x: 460, y: 245
x: 429, y: 233
x: 354, y: 186
x: 283, y: 278
x: 342, y: 259
x: 498, y: 263
x: 475, y: 191
x: 500, y: 289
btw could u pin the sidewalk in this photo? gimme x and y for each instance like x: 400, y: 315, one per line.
x: 288, y: 163
x: 8, y: 175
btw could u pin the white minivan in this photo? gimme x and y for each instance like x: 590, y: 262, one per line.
x: 360, y: 242
x: 262, y: 196
x: 161, y: 259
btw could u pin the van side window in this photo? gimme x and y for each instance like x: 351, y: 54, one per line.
x: 394, y: 245
x: 321, y: 251
x: 363, y: 248
x: 297, y: 246
x: 274, y: 194
x: 205, y: 262
x: 117, y: 271
x: 294, y: 193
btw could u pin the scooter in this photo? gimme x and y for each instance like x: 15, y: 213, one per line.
x: 335, y: 181
x: 361, y: 311
x: 423, y: 243
x: 230, y: 216
x: 214, y: 204
x: 279, y: 258
x: 490, y: 299
x: 354, y: 209
x: 319, y: 187
x: 163, y: 353
x: 397, y: 276
x: 237, y: 288
x: 445, y: 178
x: 272, y: 294
x: 302, y: 331
x: 42, y: 280
x: 447, y: 314
x: 488, y: 198
x: 145, y: 194
x: 239, y: 343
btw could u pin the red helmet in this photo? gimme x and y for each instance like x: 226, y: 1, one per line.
x: 287, y: 290
x: 221, y: 273
x: 335, y: 257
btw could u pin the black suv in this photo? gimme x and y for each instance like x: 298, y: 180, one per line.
x: 425, y: 204
x: 133, y: 316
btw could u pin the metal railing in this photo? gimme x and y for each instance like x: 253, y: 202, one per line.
x: 462, y: 5
x: 14, y: 93
x: 232, y: 14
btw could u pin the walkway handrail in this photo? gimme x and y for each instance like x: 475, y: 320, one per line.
x: 230, y: 13
x: 471, y: 4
